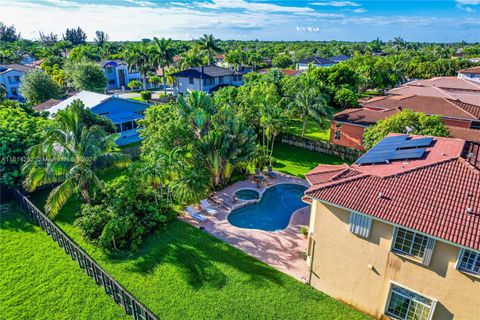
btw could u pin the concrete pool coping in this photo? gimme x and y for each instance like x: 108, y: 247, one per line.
x: 282, y: 249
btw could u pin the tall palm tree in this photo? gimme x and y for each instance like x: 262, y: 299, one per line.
x: 254, y: 59
x: 210, y: 46
x: 235, y: 58
x: 75, y: 153
x: 138, y: 57
x: 189, y: 59
x: 274, y: 122
x: 197, y: 109
x: 163, y: 53
x: 310, y: 101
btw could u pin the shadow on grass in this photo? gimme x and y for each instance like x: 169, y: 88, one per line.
x: 13, y: 218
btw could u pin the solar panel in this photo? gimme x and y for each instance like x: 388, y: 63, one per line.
x: 395, y: 148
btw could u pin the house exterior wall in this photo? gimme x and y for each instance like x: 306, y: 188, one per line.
x: 183, y: 84
x: 359, y: 271
x: 350, y: 135
x: 8, y: 79
x: 470, y: 76
x: 304, y: 66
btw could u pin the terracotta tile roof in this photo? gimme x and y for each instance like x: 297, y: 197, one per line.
x: 474, y: 70
x: 427, y: 104
x: 363, y: 116
x: 444, y: 87
x: 430, y: 195
x: 464, y: 133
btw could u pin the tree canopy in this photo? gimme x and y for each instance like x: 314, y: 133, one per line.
x: 37, y: 87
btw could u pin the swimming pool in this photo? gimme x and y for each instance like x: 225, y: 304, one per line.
x: 273, y: 211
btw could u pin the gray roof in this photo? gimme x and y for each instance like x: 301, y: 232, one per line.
x: 317, y: 60
x: 14, y: 66
x: 208, y: 72
x: 339, y: 58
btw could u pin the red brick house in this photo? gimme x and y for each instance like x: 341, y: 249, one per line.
x: 348, y: 125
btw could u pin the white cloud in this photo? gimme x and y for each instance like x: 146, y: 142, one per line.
x: 359, y: 10
x: 337, y: 4
x: 307, y: 29
x: 252, y: 6
x: 467, y: 2
x: 141, y: 3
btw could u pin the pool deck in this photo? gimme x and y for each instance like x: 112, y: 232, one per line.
x: 280, y: 249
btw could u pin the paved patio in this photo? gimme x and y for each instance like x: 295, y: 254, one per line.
x: 280, y: 249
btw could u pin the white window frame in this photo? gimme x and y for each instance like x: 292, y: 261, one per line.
x: 389, y: 296
x: 428, y: 251
x: 360, y: 225
x: 460, y: 255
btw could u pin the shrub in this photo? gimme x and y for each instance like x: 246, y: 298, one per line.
x: 122, y: 214
x: 135, y: 84
x: 146, y: 95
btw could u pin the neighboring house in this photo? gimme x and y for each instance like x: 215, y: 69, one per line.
x: 348, y: 126
x: 399, y: 237
x: 122, y: 112
x: 44, y: 106
x: 205, y: 78
x: 27, y: 59
x: 10, y: 78
x: 117, y: 73
x: 444, y: 87
x: 316, y: 61
x: 340, y: 58
x: 220, y: 59
x: 472, y: 74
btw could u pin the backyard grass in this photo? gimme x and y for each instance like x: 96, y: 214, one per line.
x: 297, y: 161
x: 39, y: 281
x: 312, y: 130
x: 180, y: 272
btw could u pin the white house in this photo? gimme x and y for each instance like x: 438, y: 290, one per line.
x: 10, y: 79
x: 117, y: 73
x: 206, y: 78
x: 472, y: 74
x: 122, y: 112
x: 316, y: 61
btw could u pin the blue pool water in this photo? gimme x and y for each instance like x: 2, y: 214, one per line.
x: 273, y: 211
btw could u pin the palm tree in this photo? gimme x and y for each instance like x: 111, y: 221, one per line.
x: 210, y: 46
x: 310, y: 101
x: 254, y: 59
x: 398, y: 43
x: 163, y: 53
x: 235, y: 58
x: 138, y: 57
x: 274, y: 122
x: 197, y: 109
x: 75, y: 153
x: 189, y: 59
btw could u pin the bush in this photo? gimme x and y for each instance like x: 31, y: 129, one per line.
x: 122, y: 214
x: 135, y: 84
x: 37, y: 87
x: 146, y: 95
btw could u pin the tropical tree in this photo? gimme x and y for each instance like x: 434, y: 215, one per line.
x: 138, y: 57
x: 86, y: 75
x: 37, y: 87
x: 235, y: 58
x: 101, y: 38
x: 406, y: 121
x: 8, y: 33
x: 163, y: 53
x: 274, y: 121
x: 189, y: 59
x: 75, y: 36
x: 70, y: 155
x: 210, y: 46
x: 310, y: 101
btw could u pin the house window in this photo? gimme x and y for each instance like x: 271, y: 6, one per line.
x: 220, y: 80
x: 14, y: 92
x: 360, y: 224
x: 469, y: 261
x: 337, y: 134
x: 405, y: 305
x: 109, y: 70
x: 475, y: 125
x: 209, y: 81
x: 190, y: 80
x: 111, y: 81
x: 413, y: 244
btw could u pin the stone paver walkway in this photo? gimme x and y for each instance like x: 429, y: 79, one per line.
x: 280, y: 249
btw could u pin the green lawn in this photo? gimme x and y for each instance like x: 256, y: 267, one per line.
x: 39, y: 281
x: 297, y: 161
x: 181, y: 272
x: 312, y: 130
x: 138, y: 99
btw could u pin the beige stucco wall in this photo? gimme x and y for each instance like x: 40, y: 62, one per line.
x: 341, y: 268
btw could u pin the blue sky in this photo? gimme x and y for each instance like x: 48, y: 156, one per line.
x: 436, y: 21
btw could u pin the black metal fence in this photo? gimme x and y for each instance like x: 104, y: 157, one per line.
x: 322, y: 146
x: 120, y: 295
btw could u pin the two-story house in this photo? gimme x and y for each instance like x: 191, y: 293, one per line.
x: 117, y: 73
x: 10, y: 79
x: 315, y: 61
x: 123, y: 113
x: 347, y: 126
x: 397, y: 234
x: 205, y: 78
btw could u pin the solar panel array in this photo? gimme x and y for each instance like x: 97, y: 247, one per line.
x: 395, y: 148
